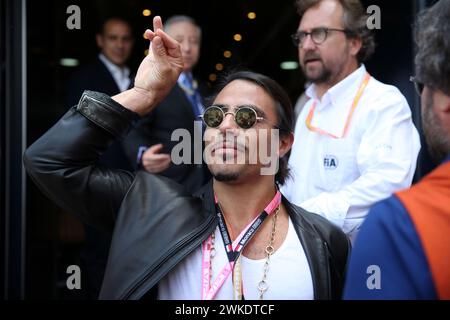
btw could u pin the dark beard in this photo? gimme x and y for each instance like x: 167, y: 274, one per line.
x: 323, y: 77
x: 225, y: 177
x: 434, y: 134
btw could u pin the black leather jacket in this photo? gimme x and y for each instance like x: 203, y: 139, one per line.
x: 156, y: 222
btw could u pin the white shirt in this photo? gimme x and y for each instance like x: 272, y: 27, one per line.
x: 121, y: 75
x: 341, y: 178
x: 288, y: 278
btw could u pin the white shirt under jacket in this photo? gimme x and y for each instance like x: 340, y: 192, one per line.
x: 121, y: 75
x: 341, y: 178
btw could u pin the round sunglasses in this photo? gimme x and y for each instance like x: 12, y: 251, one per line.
x: 244, y: 116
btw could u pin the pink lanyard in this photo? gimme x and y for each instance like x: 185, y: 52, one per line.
x: 233, y: 249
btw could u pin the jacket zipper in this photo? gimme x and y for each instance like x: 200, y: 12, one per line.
x: 170, y: 254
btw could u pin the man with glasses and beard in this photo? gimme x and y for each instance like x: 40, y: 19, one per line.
x: 407, y: 236
x: 355, y: 143
x: 236, y: 238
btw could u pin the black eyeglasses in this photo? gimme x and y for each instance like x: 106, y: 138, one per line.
x: 417, y: 85
x: 318, y: 35
x: 244, y: 116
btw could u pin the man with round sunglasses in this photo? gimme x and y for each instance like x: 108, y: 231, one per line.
x: 355, y: 142
x: 235, y: 238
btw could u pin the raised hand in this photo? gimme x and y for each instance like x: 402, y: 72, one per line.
x: 157, y: 73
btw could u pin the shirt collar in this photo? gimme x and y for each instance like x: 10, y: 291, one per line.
x: 341, y: 91
x: 113, y: 68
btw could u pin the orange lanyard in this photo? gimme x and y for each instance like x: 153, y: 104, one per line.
x: 349, y: 117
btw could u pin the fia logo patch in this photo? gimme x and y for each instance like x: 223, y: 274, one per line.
x: 330, y: 162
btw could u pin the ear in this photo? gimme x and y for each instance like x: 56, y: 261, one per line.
x: 286, y: 142
x: 355, y: 45
x: 99, y: 40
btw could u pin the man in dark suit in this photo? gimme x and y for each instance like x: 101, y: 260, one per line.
x: 149, y: 146
x: 107, y: 73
